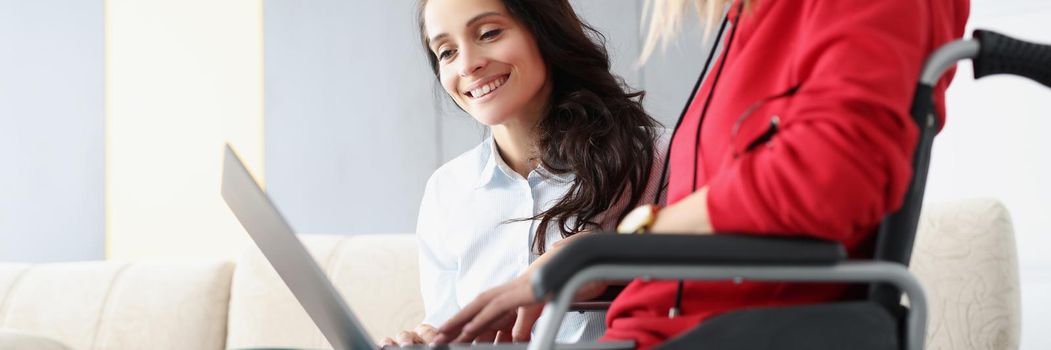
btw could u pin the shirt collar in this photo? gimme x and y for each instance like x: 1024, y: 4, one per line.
x: 493, y: 166
x: 490, y: 157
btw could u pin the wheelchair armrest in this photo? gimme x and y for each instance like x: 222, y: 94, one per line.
x: 664, y: 249
x: 601, y: 302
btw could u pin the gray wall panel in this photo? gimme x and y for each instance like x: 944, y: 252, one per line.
x: 350, y: 132
x: 459, y: 132
x: 618, y: 21
x: 670, y: 74
x: 51, y: 130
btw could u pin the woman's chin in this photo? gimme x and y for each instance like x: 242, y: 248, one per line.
x: 489, y: 118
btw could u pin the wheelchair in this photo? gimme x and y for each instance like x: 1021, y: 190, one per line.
x: 878, y: 321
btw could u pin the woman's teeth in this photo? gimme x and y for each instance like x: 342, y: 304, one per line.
x: 487, y: 88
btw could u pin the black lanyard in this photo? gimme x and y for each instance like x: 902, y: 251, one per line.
x: 704, y: 110
x: 677, y: 309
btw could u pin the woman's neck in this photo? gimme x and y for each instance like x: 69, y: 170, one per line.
x: 516, y: 144
x: 516, y: 139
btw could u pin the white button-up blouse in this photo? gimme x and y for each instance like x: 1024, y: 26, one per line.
x: 469, y: 239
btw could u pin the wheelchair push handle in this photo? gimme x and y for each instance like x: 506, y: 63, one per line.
x: 1001, y: 54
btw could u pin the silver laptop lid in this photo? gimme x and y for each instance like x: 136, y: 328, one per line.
x: 290, y: 258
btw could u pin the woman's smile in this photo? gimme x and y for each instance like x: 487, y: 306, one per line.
x: 476, y: 47
x: 484, y: 90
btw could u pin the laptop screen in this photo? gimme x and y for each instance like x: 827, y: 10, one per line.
x: 297, y: 268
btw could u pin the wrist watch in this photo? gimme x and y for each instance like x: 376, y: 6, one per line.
x: 639, y: 220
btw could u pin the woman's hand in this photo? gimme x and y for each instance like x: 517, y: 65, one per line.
x: 493, y: 312
x: 423, y: 334
x: 689, y: 215
x: 509, y: 310
x: 527, y: 315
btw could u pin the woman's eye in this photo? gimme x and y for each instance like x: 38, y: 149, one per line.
x: 491, y: 34
x: 444, y: 54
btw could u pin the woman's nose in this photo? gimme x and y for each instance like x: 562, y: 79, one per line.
x: 472, y: 62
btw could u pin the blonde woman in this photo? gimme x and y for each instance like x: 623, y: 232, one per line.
x: 801, y: 127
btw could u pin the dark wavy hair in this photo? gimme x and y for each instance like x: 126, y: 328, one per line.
x: 595, y: 126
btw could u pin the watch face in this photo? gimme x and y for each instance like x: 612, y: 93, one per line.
x: 636, y: 220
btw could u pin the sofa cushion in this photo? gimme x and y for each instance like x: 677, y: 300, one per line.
x: 184, y: 305
x: 964, y: 256
x: 12, y: 340
x: 377, y: 276
x: 110, y: 305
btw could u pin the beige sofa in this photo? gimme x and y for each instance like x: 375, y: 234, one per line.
x: 964, y: 255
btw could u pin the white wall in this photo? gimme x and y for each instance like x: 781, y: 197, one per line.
x: 182, y: 78
x: 995, y: 144
x: 51, y: 130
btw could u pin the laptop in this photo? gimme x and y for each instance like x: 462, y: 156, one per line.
x: 308, y: 283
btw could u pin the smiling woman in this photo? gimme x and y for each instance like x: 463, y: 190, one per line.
x: 570, y: 151
x: 488, y: 51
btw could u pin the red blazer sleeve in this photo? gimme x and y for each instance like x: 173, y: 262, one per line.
x: 842, y: 158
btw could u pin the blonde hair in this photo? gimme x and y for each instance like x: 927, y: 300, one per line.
x: 666, y: 17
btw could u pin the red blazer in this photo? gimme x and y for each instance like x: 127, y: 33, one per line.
x: 839, y: 161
